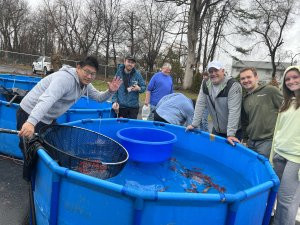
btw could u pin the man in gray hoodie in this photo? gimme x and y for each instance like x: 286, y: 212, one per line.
x: 56, y: 93
x: 223, y: 97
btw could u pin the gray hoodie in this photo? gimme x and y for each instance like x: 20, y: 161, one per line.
x: 55, y: 94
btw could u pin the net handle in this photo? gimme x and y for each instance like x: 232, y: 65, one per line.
x: 10, y: 131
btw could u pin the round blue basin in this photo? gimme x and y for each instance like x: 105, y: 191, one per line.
x: 146, y: 144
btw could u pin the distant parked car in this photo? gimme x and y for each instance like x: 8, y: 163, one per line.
x: 42, y: 64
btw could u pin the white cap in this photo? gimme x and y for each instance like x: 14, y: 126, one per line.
x: 215, y: 64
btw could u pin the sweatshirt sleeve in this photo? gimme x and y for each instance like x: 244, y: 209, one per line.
x: 245, y: 123
x: 151, y: 83
x: 234, y: 108
x: 189, y: 115
x: 277, y: 98
x: 273, y: 147
x: 199, y: 108
x: 57, y: 88
x: 141, y: 83
x: 99, y: 96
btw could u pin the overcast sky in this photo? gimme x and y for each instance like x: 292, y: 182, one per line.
x: 291, y: 40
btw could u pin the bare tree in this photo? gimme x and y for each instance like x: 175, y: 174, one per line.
x: 109, y: 12
x: 156, y: 19
x: 211, y: 31
x: 131, y: 24
x: 12, y: 19
x: 268, y: 20
x: 197, y: 12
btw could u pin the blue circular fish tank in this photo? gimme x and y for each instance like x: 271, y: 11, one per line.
x: 205, y: 181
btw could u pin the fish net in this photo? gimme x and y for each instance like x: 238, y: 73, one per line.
x: 14, y: 94
x: 84, y: 151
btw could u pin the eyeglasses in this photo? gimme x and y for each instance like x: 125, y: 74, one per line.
x: 87, y: 72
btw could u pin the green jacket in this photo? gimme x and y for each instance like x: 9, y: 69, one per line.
x: 259, y: 112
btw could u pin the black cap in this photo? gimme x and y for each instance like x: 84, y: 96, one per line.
x: 129, y: 57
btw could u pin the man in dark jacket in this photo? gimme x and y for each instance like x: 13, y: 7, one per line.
x: 126, y: 99
x: 260, y: 107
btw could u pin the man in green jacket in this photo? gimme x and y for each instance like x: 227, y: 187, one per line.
x: 259, y: 112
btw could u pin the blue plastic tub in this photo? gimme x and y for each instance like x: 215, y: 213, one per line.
x: 146, y: 144
x: 63, y: 196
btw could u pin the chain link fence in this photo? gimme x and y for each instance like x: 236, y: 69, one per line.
x: 22, y: 63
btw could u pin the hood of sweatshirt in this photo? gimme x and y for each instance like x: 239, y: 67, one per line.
x: 256, y: 90
x: 71, y: 70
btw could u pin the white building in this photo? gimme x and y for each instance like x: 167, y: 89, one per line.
x: 264, y: 69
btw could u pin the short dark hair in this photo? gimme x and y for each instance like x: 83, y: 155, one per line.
x: 249, y: 68
x: 90, y: 61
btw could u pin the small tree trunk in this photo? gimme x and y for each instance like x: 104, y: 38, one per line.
x: 188, y: 77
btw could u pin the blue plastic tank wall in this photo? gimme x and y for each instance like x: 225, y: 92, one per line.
x: 87, y: 108
x: 63, y: 196
x: 18, y: 81
x: 8, y: 142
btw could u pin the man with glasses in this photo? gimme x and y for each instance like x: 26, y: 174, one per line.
x: 126, y: 99
x: 56, y: 93
x: 223, y: 97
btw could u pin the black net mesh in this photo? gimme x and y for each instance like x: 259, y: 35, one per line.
x: 13, y: 93
x: 84, y: 151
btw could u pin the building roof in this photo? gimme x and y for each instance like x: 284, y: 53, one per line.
x: 258, y: 64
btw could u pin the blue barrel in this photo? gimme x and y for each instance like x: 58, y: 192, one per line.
x: 63, y: 196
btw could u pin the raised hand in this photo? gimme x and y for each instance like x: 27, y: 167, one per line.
x: 114, y: 85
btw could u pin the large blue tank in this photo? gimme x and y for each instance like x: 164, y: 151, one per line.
x: 83, y: 108
x: 63, y: 196
x: 18, y: 81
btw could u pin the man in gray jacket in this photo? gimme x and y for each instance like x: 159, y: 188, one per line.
x: 223, y: 97
x: 56, y: 93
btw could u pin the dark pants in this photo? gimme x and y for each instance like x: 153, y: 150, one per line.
x: 22, y: 117
x: 158, y: 118
x: 130, y: 113
x: 238, y: 134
